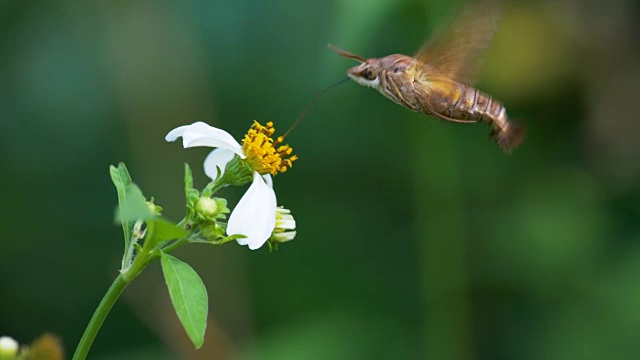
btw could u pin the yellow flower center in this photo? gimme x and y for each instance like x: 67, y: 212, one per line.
x: 264, y: 154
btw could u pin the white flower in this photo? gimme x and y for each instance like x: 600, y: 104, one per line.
x: 285, y: 223
x: 8, y: 347
x: 254, y: 216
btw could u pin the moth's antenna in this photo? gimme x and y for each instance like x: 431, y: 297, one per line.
x: 347, y: 54
x: 315, y: 99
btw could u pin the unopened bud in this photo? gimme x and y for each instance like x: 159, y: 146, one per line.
x: 8, y: 347
x: 207, y: 207
x: 285, y: 227
x: 155, y: 209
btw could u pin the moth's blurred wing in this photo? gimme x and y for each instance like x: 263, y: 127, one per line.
x: 453, y: 53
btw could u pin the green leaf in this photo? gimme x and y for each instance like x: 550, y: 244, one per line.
x: 135, y: 205
x: 121, y: 179
x: 166, y: 230
x: 209, y: 189
x: 131, y: 207
x: 188, y: 296
x: 191, y: 194
x: 188, y: 179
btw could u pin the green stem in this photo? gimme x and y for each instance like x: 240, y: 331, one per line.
x: 110, y: 298
x: 176, y: 244
x: 143, y: 257
x: 98, y: 317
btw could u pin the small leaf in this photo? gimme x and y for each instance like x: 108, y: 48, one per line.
x: 188, y: 296
x: 193, y: 196
x: 213, y: 185
x: 165, y: 230
x: 121, y: 179
x: 188, y: 178
x: 135, y: 206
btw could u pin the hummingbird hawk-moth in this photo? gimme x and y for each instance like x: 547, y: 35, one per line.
x: 438, y: 80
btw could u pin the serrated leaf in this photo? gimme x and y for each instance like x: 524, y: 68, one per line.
x: 166, y: 230
x: 188, y: 296
x: 121, y: 180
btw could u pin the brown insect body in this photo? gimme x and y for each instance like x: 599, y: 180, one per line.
x: 438, y: 80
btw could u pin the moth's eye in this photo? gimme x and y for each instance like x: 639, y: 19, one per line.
x: 366, y: 73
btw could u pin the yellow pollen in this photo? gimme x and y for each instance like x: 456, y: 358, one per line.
x: 261, y: 152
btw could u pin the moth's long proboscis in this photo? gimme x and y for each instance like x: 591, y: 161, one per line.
x: 315, y: 99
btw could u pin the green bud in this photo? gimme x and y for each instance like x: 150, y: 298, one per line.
x: 155, y: 209
x: 211, y: 231
x: 207, y: 208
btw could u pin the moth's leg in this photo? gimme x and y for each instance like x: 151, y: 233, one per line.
x: 391, y: 88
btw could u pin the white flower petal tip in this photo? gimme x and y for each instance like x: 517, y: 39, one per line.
x: 254, y: 216
x: 201, y: 134
x: 285, y: 236
x: 218, y: 158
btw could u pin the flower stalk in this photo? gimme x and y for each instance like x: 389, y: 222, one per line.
x: 109, y: 299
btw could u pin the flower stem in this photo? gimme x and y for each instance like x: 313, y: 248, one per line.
x: 176, y: 244
x: 98, y: 317
x: 143, y: 257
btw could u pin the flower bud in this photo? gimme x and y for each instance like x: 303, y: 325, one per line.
x: 211, y: 209
x: 207, y: 207
x: 285, y: 223
x: 155, y: 209
x: 211, y: 231
x: 8, y: 347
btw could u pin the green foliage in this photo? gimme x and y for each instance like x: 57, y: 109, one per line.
x: 135, y: 206
x: 132, y: 207
x: 188, y: 296
x: 212, y: 186
x: 122, y: 180
x: 190, y: 193
x: 166, y: 230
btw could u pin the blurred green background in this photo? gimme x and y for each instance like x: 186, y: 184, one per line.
x: 417, y: 238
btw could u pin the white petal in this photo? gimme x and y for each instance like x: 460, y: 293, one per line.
x: 268, y: 179
x: 286, y: 224
x: 286, y: 236
x: 217, y: 158
x: 255, y: 214
x: 201, y: 134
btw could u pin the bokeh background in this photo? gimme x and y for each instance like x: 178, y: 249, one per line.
x: 417, y: 238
